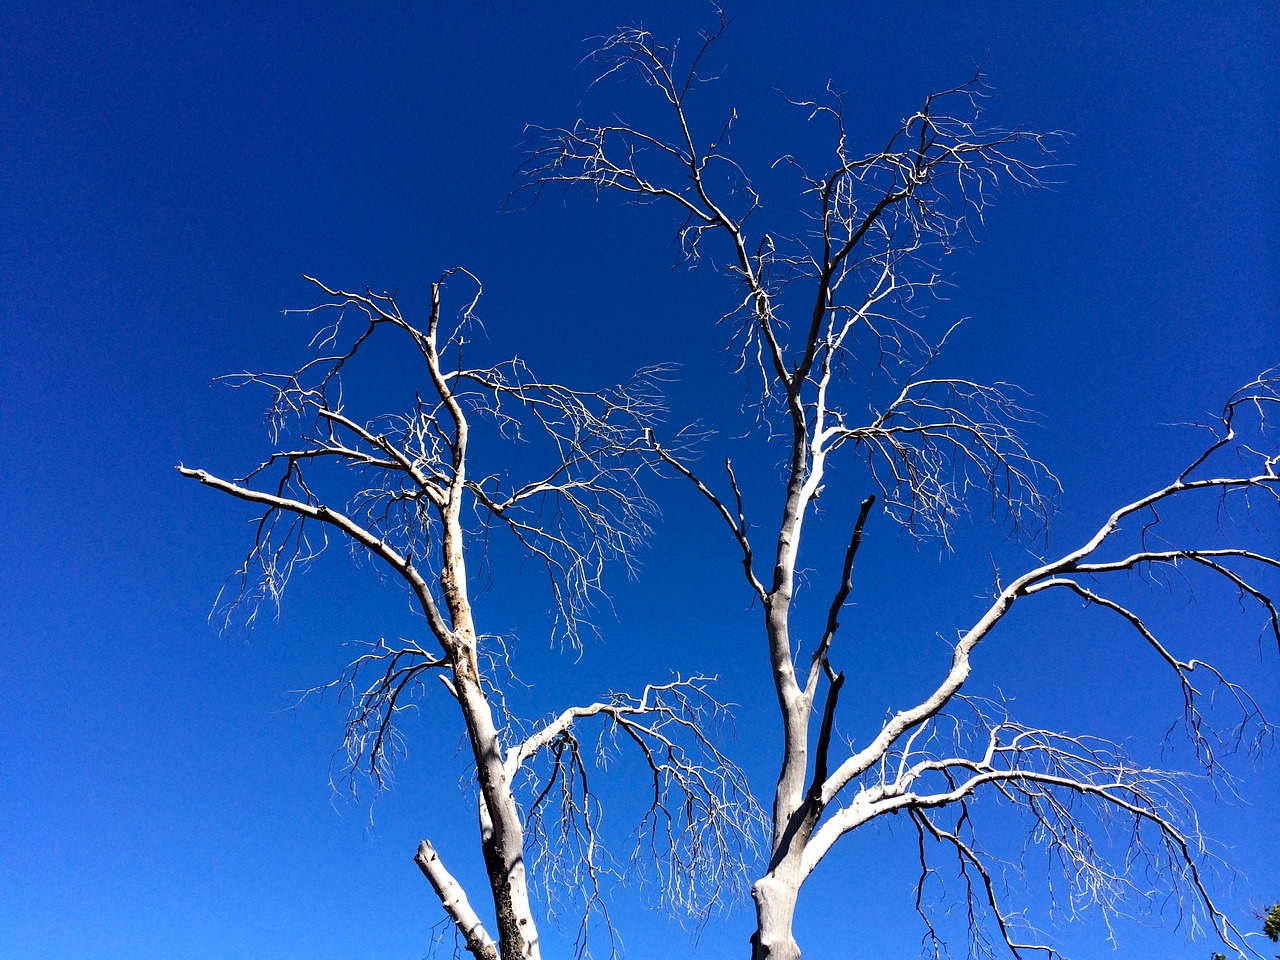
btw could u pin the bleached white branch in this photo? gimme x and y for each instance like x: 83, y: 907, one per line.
x: 454, y: 900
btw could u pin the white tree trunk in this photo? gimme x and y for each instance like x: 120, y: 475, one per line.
x: 775, y: 896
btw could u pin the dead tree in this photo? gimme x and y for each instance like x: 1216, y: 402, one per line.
x: 829, y: 321
x: 481, y: 452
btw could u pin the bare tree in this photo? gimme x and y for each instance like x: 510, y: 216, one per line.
x: 827, y: 322
x: 423, y: 493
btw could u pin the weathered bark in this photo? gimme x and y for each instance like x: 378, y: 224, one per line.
x: 502, y: 835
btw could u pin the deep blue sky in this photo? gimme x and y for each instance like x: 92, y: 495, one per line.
x: 167, y: 172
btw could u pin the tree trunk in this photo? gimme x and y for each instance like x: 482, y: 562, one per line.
x: 502, y: 834
x: 517, y: 934
x: 775, y: 896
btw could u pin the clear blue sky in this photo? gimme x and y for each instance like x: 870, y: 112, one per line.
x: 168, y: 172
